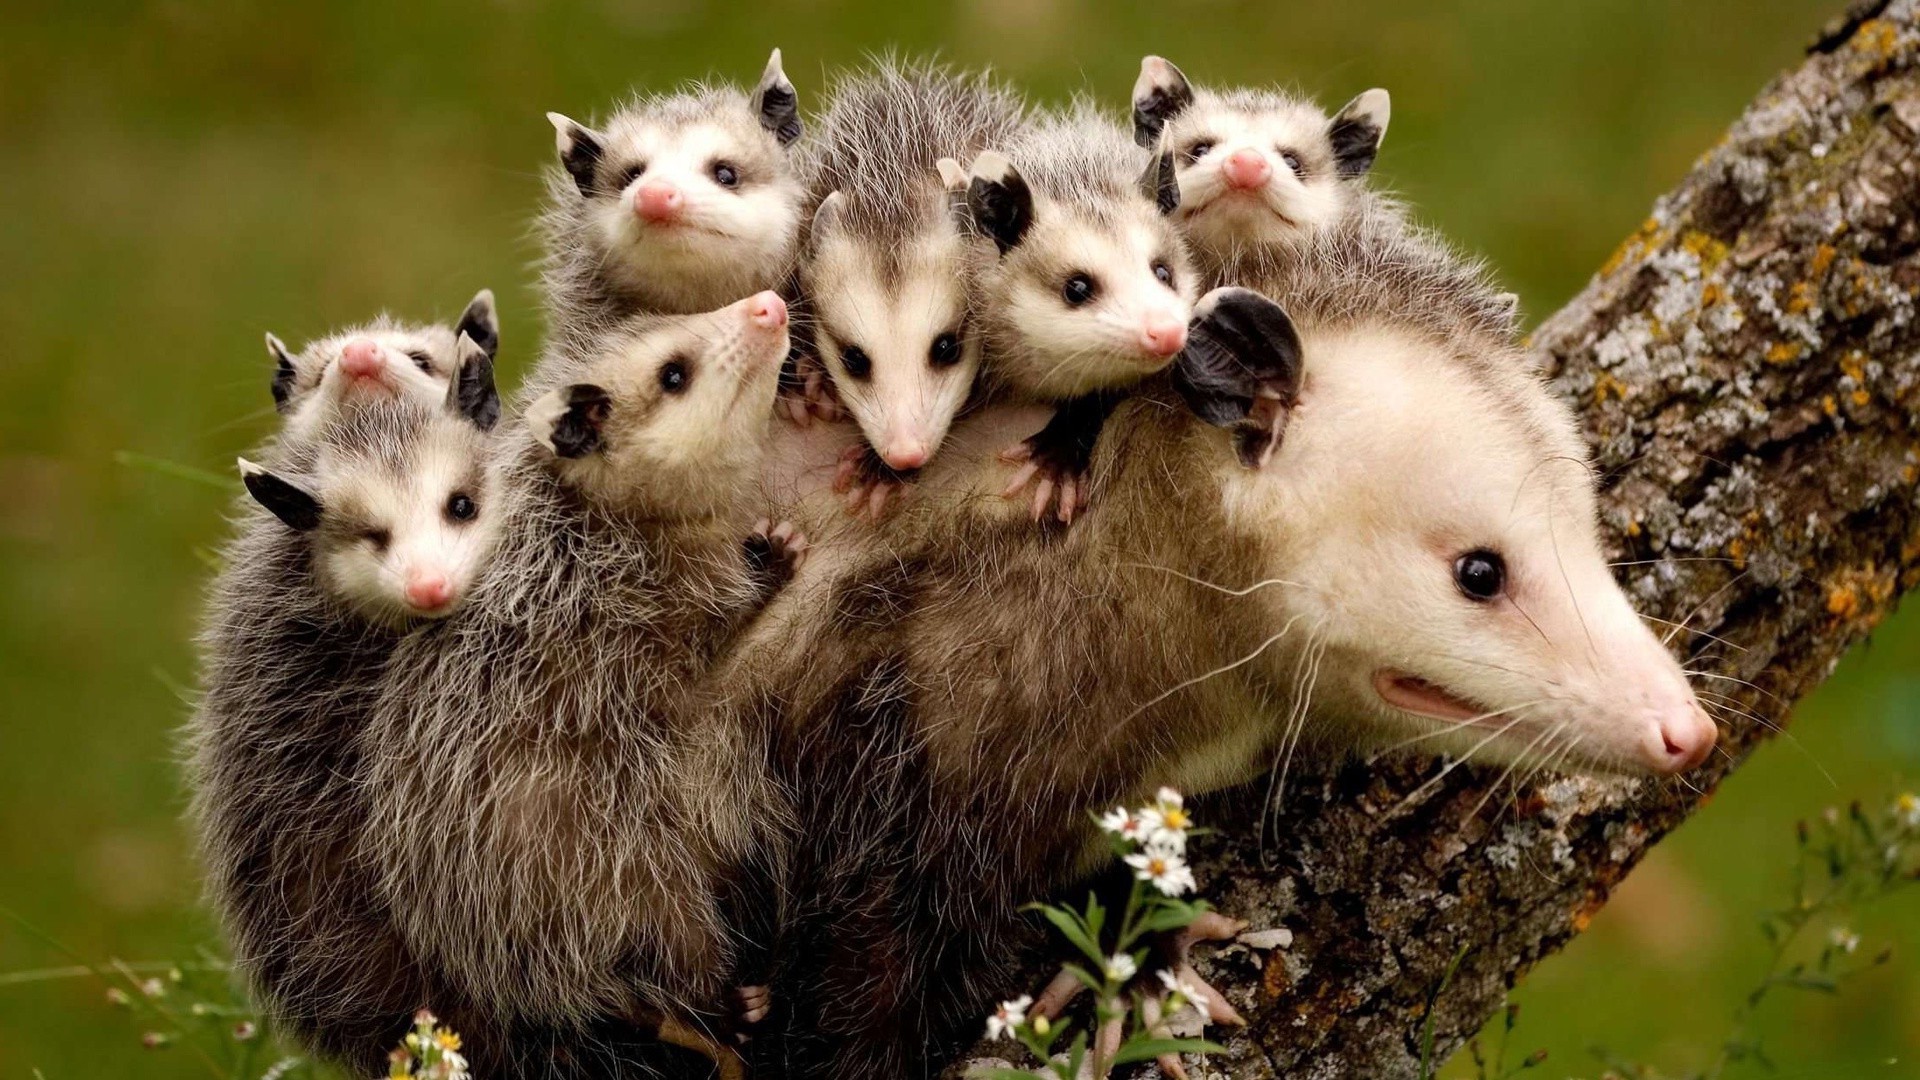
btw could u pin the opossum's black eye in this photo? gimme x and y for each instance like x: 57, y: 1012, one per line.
x: 377, y: 538
x: 1197, y: 149
x: 945, y: 351
x: 1163, y: 274
x: 628, y: 175
x: 674, y: 376
x: 461, y: 508
x: 1481, y: 574
x: 1078, y: 290
x: 725, y: 175
x: 421, y: 360
x: 858, y: 364
x: 1292, y: 159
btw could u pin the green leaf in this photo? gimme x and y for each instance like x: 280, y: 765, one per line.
x: 1074, y: 930
x: 1148, y: 1049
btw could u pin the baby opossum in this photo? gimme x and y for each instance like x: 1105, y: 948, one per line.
x: 1256, y: 168
x: 373, y: 524
x: 382, y: 358
x: 676, y: 204
x: 1418, y: 556
x: 563, y: 832
x: 1091, y: 291
x: 890, y: 257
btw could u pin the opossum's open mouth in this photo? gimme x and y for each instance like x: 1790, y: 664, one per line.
x: 1417, y: 695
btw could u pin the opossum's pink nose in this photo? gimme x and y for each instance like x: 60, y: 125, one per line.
x: 428, y: 590
x: 767, y: 310
x: 905, y: 454
x: 1246, y: 169
x: 658, y: 201
x: 1683, y: 740
x: 362, y: 359
x: 1162, y: 334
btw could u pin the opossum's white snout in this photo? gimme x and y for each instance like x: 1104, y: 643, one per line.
x: 429, y: 592
x: 905, y: 452
x: 1162, y: 334
x: 362, y: 358
x: 1679, y: 738
x: 1246, y: 170
x: 658, y: 202
x: 766, y: 310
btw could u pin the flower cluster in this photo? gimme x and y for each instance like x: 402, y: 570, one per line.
x: 1159, y: 832
x: 429, y: 1052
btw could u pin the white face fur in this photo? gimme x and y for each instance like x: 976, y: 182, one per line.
x: 401, y: 507
x: 690, y: 202
x: 1082, y: 298
x: 1444, y: 543
x: 891, y: 328
x: 1256, y: 167
x: 380, y: 361
x: 669, y: 418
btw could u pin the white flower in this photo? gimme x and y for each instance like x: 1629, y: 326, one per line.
x: 1123, y: 824
x: 1176, y: 985
x: 1010, y: 1015
x: 1843, y: 939
x: 1120, y: 967
x: 1907, y: 806
x: 1164, y: 867
x: 1167, y: 820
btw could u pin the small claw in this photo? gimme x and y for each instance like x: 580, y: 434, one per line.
x: 849, y: 468
x: 1170, y: 1066
x: 1026, y: 473
x: 1041, y: 495
x: 1057, y: 996
x: 782, y: 532
x: 1219, y: 1010
x: 856, y: 497
x: 760, y: 527
x: 1020, y: 451
x: 877, y: 502
x: 1210, y: 926
x: 1069, y: 493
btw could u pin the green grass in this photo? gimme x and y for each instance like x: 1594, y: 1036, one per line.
x: 178, y: 177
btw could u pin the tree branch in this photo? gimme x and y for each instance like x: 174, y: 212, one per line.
x: 1748, y: 366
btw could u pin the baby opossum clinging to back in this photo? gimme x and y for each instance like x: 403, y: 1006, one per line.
x: 676, y: 204
x: 369, y: 525
x: 1416, y: 563
x: 890, y: 258
x: 564, y: 831
x: 1090, y: 293
x: 382, y: 358
x: 1256, y: 168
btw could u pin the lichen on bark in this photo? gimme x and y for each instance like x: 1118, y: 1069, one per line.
x: 1747, y: 366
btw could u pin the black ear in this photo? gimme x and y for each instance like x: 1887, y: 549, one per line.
x: 1356, y: 130
x: 471, y: 393
x: 999, y: 200
x: 1160, y: 184
x: 283, y: 373
x: 292, y: 505
x: 1160, y: 94
x: 481, y: 322
x: 1241, y: 368
x: 579, y: 150
x: 775, y: 102
x: 569, y: 420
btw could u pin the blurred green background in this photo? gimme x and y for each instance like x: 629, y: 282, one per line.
x: 177, y: 178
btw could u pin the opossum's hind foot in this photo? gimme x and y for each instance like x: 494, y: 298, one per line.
x: 1060, y: 456
x: 868, y: 483
x: 1061, y: 490
x: 727, y: 1063
x: 775, y: 553
x: 805, y: 393
x: 1177, y: 949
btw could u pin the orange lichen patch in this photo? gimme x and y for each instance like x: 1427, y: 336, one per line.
x: 1273, y: 980
x: 1829, y: 406
x: 1605, y: 384
x: 1860, y: 397
x: 1799, y: 298
x: 1909, y: 473
x: 1589, y: 907
x: 1712, y: 294
x: 1737, y: 551
x: 1854, y: 365
x: 1709, y: 251
x: 1823, y: 257
x: 1843, y: 602
x: 1782, y: 352
x: 1877, y: 38
x: 1647, y: 236
x: 1633, y: 527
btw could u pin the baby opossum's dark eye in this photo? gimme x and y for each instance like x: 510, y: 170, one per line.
x: 945, y: 351
x: 858, y: 364
x: 460, y: 507
x: 725, y: 175
x: 1163, y: 273
x: 1197, y: 149
x: 1481, y: 574
x: 1292, y: 159
x: 421, y: 360
x: 628, y: 175
x: 674, y: 376
x: 1078, y: 290
x: 378, y: 538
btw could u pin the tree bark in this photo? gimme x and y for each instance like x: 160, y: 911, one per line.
x: 1747, y: 366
